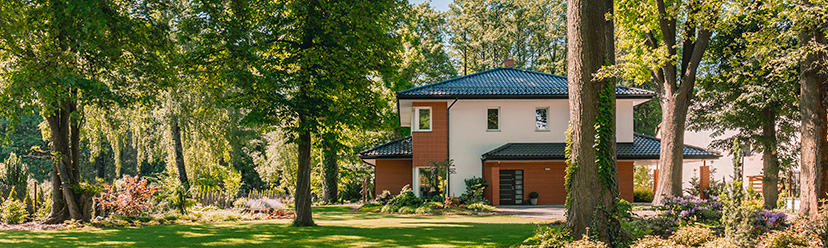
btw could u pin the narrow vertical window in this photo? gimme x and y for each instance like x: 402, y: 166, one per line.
x: 493, y: 119
x: 541, y: 118
x: 422, y: 119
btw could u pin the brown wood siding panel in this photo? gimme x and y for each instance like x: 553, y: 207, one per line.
x: 392, y: 175
x: 625, y: 180
x: 433, y: 145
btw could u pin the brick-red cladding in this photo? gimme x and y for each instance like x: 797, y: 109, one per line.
x: 548, y: 183
x: 433, y: 145
x: 392, y: 175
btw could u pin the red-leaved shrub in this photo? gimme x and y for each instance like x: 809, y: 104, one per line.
x: 130, y: 198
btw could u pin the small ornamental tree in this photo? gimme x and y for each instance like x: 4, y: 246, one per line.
x: 130, y: 198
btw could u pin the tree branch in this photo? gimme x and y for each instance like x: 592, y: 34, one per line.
x: 689, y: 79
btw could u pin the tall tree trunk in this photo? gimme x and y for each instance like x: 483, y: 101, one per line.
x: 592, y: 178
x: 812, y: 83
x: 303, y: 184
x: 673, y: 121
x: 178, y: 150
x: 331, y: 171
x: 770, y: 161
x: 65, y: 204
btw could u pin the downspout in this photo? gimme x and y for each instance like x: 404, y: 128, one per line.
x: 448, y: 144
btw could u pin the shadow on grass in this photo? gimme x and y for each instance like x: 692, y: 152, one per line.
x: 279, y: 234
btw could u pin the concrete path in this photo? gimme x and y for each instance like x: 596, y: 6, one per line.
x: 553, y: 212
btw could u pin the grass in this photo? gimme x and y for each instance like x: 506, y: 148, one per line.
x: 338, y: 227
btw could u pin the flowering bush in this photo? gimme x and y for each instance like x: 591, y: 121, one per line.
x: 719, y: 243
x: 132, y: 197
x: 691, y: 209
x: 480, y: 206
x: 653, y: 242
x: 766, y: 221
x: 784, y: 239
x: 549, y: 236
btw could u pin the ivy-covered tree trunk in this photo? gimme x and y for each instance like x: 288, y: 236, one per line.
x: 770, y: 161
x: 592, y: 177
x: 178, y: 150
x: 812, y: 83
x: 331, y: 172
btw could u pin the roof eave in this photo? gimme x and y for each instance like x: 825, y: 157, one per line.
x: 501, y: 96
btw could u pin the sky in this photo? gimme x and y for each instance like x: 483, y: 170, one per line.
x: 441, y: 5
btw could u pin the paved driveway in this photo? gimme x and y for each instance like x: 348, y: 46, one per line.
x: 553, y: 212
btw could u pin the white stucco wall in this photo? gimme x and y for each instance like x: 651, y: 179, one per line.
x: 469, y: 139
x: 724, y: 164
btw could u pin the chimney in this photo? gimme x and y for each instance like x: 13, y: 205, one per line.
x: 508, y: 62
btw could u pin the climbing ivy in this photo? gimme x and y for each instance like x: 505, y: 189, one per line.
x: 604, y: 139
x: 571, y: 167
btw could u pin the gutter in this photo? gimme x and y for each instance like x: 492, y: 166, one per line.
x: 448, y: 144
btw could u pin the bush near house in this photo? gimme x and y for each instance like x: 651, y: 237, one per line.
x: 407, y: 203
x: 643, y: 195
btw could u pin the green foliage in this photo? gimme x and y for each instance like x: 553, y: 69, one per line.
x: 654, y: 242
x: 549, y: 236
x: 20, y: 138
x: 474, y: 191
x: 371, y: 207
x: 405, y: 198
x: 15, y: 174
x: 785, y: 239
x: 643, y: 195
x: 174, y: 195
x: 533, y: 194
x: 586, y: 242
x: 13, y: 211
x: 737, y: 214
x: 642, y: 177
x: 480, y: 207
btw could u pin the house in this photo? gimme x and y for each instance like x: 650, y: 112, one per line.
x: 507, y: 126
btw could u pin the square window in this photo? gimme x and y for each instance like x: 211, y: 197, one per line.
x: 541, y: 118
x: 493, y: 119
x: 422, y: 119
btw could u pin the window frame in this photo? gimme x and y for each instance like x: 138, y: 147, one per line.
x: 498, y: 119
x: 536, y: 119
x: 416, y: 122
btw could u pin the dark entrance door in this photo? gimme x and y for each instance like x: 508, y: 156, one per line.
x: 511, y: 187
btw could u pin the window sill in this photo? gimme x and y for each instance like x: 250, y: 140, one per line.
x: 493, y: 130
x: 421, y: 131
x: 542, y: 130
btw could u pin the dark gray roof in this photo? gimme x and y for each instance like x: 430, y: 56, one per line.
x: 398, y: 148
x: 507, y: 83
x: 642, y: 147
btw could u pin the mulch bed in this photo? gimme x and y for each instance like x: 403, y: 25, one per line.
x: 32, y: 226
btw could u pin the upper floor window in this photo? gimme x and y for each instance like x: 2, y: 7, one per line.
x: 541, y: 118
x: 493, y: 119
x: 422, y: 119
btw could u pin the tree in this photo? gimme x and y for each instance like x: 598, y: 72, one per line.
x: 648, y: 33
x: 592, y: 176
x: 60, y: 58
x: 809, y: 22
x: 751, y: 90
x: 304, y: 69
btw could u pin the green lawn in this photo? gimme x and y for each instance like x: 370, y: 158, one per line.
x: 338, y: 227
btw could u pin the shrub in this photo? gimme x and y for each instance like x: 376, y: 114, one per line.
x: 131, y: 197
x: 407, y: 210
x: 451, y: 202
x: 643, y: 195
x: 480, y: 206
x: 767, y: 221
x: 433, y: 204
x: 691, y: 209
x: 15, y: 174
x: 586, y: 243
x: 405, y: 198
x: 13, y: 211
x: 549, y: 236
x: 370, y: 208
x: 424, y: 210
x: 389, y: 209
x: 692, y: 236
x: 782, y: 239
x: 720, y: 243
x: 659, y: 225
x: 474, y: 191
x: 654, y: 242
x: 534, y: 195
x: 738, y: 214
x: 386, y: 196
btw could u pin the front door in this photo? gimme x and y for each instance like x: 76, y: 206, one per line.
x: 511, y: 187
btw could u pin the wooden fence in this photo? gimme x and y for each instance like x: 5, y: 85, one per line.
x: 217, y: 197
